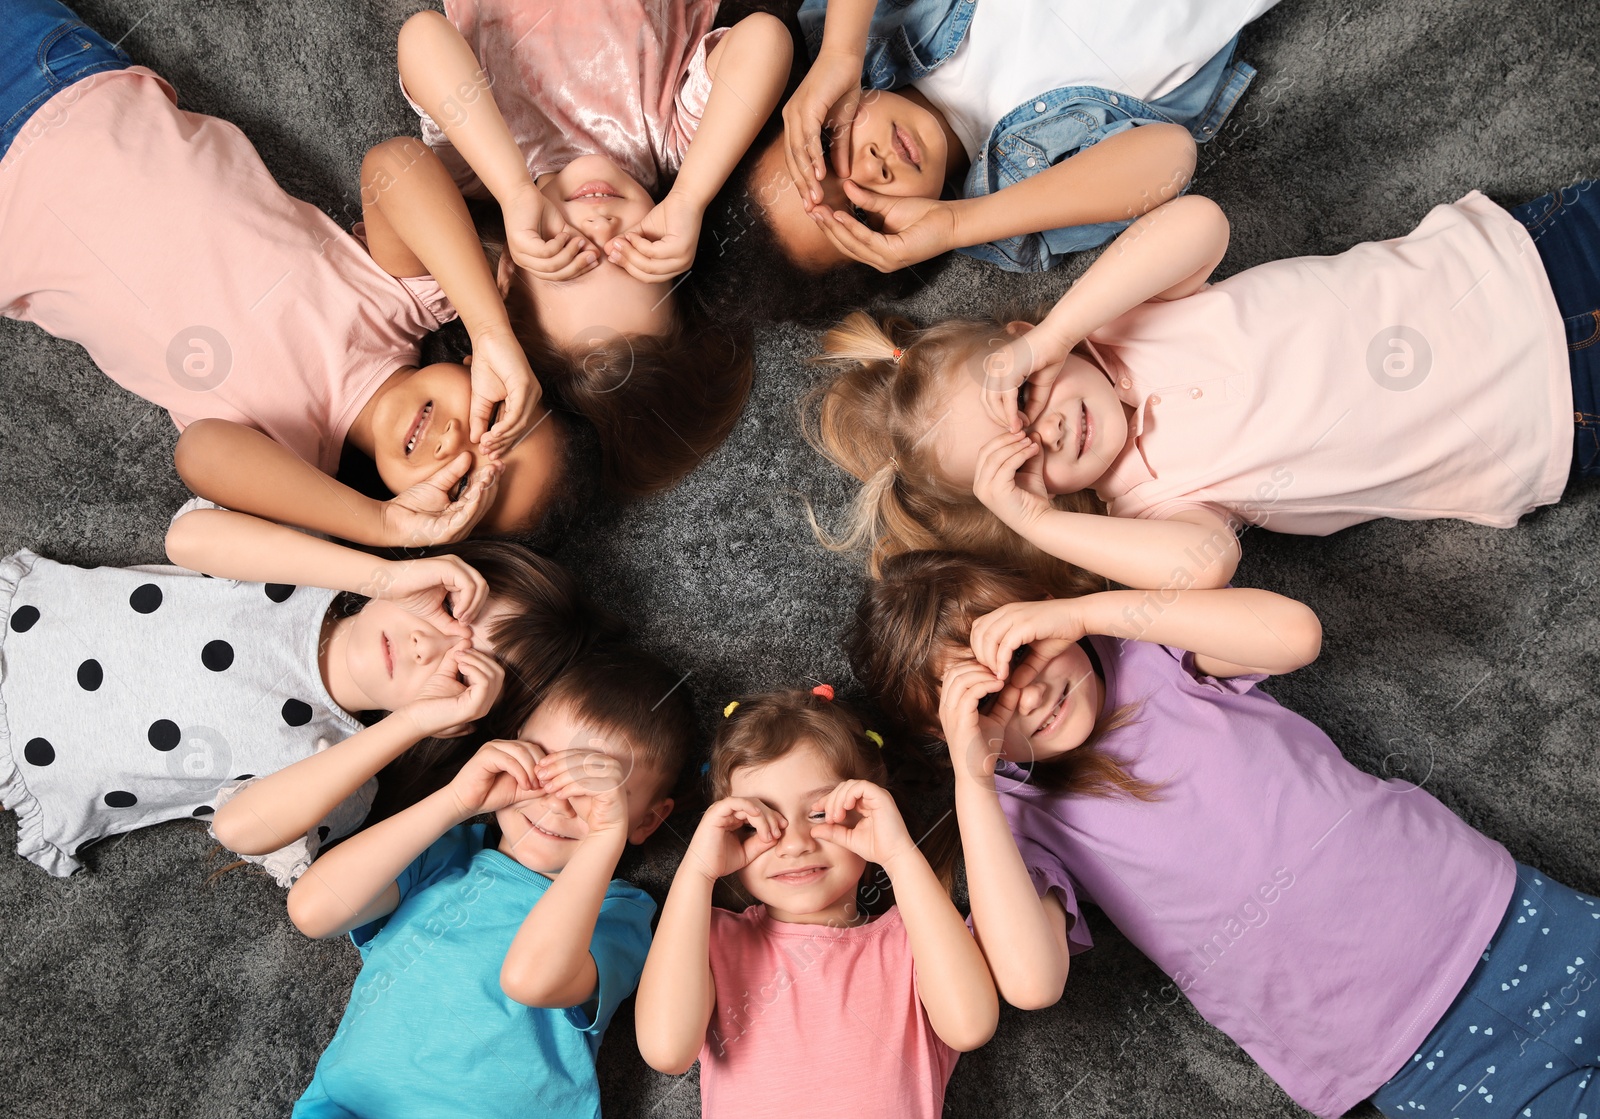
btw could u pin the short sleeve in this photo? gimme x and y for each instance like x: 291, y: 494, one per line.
x: 1236, y: 685
x: 619, y: 946
x: 1050, y: 876
x: 451, y: 852
x: 425, y: 290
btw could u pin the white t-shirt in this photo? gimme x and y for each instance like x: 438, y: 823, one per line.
x: 1018, y: 49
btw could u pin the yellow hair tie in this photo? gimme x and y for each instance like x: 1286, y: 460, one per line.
x: 876, y: 738
x: 729, y: 710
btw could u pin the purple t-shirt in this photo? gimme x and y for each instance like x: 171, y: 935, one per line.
x: 1323, y: 918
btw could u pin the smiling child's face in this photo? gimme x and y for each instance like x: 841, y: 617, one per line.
x: 1055, y: 708
x: 1078, y: 420
x: 897, y: 148
x: 542, y: 832
x: 801, y: 876
x: 600, y: 200
x: 421, y: 422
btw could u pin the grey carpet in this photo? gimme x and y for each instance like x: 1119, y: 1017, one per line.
x: 1462, y: 656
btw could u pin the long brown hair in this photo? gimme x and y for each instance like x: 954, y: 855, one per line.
x: 874, y: 420
x: 659, y: 403
x: 909, y: 622
x: 764, y: 728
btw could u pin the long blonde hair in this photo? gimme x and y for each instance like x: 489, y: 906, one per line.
x: 875, y: 419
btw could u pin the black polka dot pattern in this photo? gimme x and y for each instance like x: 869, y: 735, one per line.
x: 164, y: 734
x: 279, y: 592
x: 146, y: 598
x: 23, y: 618
x: 38, y: 751
x: 120, y: 799
x: 217, y: 655
x: 90, y: 675
x: 203, y: 810
x: 296, y: 712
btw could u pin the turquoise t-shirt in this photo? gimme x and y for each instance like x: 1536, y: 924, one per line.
x: 429, y: 1032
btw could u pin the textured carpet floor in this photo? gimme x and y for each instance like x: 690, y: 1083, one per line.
x: 1461, y: 656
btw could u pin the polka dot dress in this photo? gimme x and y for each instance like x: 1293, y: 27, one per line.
x: 131, y: 696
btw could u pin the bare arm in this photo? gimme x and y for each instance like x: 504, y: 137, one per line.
x: 748, y: 69
x: 1192, y: 548
x: 1121, y: 177
x: 677, y: 993
x: 356, y: 881
x: 953, y: 980
x: 276, y: 809
x: 242, y: 468
x: 1232, y: 631
x: 549, y: 963
x: 1022, y: 936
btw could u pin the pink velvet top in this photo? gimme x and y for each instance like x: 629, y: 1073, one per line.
x: 603, y: 77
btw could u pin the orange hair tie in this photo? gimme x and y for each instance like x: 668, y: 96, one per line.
x: 823, y: 690
x: 897, y: 354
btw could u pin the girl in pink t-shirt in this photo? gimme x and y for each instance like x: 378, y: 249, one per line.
x: 602, y: 130
x: 1441, y: 374
x: 275, y: 339
x: 1350, y: 933
x: 802, y: 1004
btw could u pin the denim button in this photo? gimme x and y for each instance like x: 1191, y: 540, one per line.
x: 1039, y: 106
x: 1114, y: 100
x: 1032, y: 162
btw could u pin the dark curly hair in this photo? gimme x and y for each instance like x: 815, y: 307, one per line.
x: 743, y: 274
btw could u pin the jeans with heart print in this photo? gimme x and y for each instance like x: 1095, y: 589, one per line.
x: 1522, y: 1039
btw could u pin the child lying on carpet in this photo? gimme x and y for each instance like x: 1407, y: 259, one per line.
x: 1352, y: 934
x: 1447, y: 373
x: 157, y: 240
x: 494, y: 955
x: 602, y: 130
x: 133, y: 696
x: 804, y: 1004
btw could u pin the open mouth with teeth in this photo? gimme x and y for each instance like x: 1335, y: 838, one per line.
x: 1084, y: 427
x: 418, y: 426
x: 534, y: 824
x: 594, y: 191
x: 1055, y: 713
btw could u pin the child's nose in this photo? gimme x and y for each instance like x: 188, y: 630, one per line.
x: 600, y: 228
x: 1033, y: 696
x: 451, y: 440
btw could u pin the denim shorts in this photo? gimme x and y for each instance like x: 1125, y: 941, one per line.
x: 1522, y: 1040
x: 44, y: 48
x: 1565, y: 227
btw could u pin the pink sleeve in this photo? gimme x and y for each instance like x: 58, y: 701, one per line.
x: 424, y: 290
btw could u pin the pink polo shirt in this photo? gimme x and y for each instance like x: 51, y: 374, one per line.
x: 1420, y: 377
x: 816, y: 1020
x: 617, y: 78
x: 157, y: 240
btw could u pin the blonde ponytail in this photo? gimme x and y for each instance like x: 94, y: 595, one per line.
x: 872, y: 420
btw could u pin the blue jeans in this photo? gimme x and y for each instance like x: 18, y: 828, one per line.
x: 44, y: 48
x: 1523, y: 1037
x: 1565, y: 227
